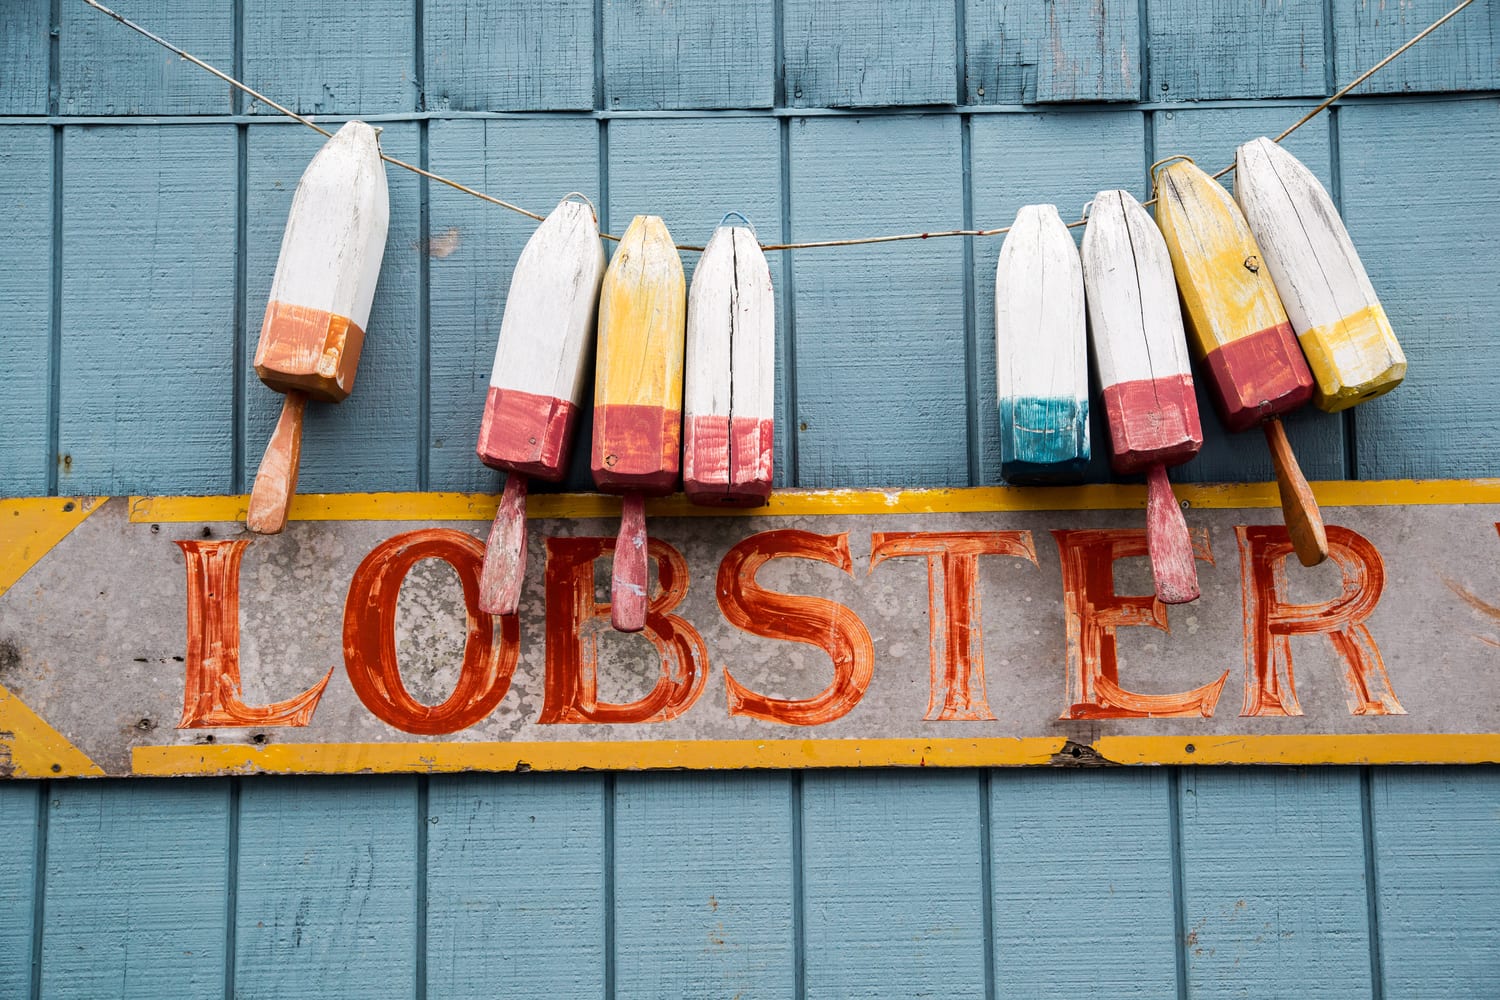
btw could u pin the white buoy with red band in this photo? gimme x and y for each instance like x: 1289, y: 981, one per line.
x: 314, y: 325
x: 729, y: 391
x: 538, y: 380
x: 1140, y: 351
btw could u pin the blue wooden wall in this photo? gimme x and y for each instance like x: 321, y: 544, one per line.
x: 140, y: 208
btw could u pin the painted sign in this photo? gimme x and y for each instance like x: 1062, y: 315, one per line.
x: 154, y: 636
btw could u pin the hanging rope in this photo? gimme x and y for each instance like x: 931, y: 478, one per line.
x: 809, y: 245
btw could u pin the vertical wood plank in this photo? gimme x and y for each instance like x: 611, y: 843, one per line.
x: 703, y: 885
x: 1438, y: 874
x: 370, y: 440
x: 892, y: 880
x: 1029, y: 51
x: 1210, y: 137
x: 1461, y: 55
x: 1273, y: 882
x: 1106, y: 836
x: 24, y: 55
x: 717, y: 54
x: 1417, y: 182
x: 1230, y: 48
x: 19, y: 801
x: 107, y: 69
x: 473, y: 253
x: 25, y: 305
x: 880, y: 329
x: 521, y: 55
x: 851, y: 53
x: 148, y: 309
x: 515, y: 886
x: 332, y: 59
x: 1059, y: 159
x: 691, y: 173
x: 136, y: 889
x: 327, y: 887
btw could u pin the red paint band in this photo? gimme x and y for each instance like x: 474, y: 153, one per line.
x: 1259, y: 376
x: 1152, y: 422
x: 526, y: 433
x: 727, y: 461
x: 309, y: 350
x: 636, y: 448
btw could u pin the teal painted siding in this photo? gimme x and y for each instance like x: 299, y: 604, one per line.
x: 126, y: 351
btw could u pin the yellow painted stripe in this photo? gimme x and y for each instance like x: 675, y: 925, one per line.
x: 1353, y: 359
x: 354, y: 758
x: 30, y: 748
x: 350, y: 758
x: 800, y: 503
x: 31, y: 526
x: 1322, y: 748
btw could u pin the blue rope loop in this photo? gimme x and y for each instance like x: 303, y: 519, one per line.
x: 741, y: 216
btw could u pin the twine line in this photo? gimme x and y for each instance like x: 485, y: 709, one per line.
x: 768, y: 247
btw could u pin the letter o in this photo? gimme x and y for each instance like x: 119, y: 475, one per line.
x: 370, y: 636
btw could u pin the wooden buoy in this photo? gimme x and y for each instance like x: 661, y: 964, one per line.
x: 320, y: 301
x: 1256, y: 371
x: 537, y: 383
x: 1333, y: 308
x: 1041, y: 364
x: 1140, y: 351
x: 638, y: 397
x: 729, y: 391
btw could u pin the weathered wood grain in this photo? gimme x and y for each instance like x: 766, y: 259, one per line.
x: 1034, y: 51
x: 24, y: 27
x: 25, y: 306
x: 1273, y: 882
x: 879, y: 329
x: 891, y: 874
x: 727, y: 164
x: 849, y: 53
x: 521, y: 55
x: 326, y: 875
x: 1022, y: 159
x: 1210, y: 136
x: 1338, y: 319
x: 19, y: 802
x: 148, y: 309
x: 1116, y: 913
x: 1229, y: 48
x: 1434, y: 831
x: 1041, y: 351
x: 372, y: 435
x: 136, y: 889
x: 107, y: 69
x: 472, y: 251
x: 515, y: 885
x: 1461, y: 55
x: 715, y: 54
x: 1415, y: 183
x: 341, y: 59
x: 703, y: 886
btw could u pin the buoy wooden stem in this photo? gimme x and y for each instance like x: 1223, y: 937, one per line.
x: 627, y: 585
x: 276, y: 482
x: 1304, y: 521
x: 504, y: 569
x: 1168, y: 542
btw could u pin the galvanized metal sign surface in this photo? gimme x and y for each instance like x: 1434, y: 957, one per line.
x: 939, y: 628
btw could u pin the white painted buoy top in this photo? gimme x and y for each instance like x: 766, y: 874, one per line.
x: 729, y: 391
x: 1041, y: 354
x: 335, y: 234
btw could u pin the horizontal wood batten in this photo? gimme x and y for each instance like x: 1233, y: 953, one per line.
x: 789, y: 503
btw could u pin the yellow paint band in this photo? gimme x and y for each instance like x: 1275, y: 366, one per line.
x: 30, y: 748
x: 800, y: 503
x: 432, y: 758
x: 1353, y: 359
x: 437, y: 758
